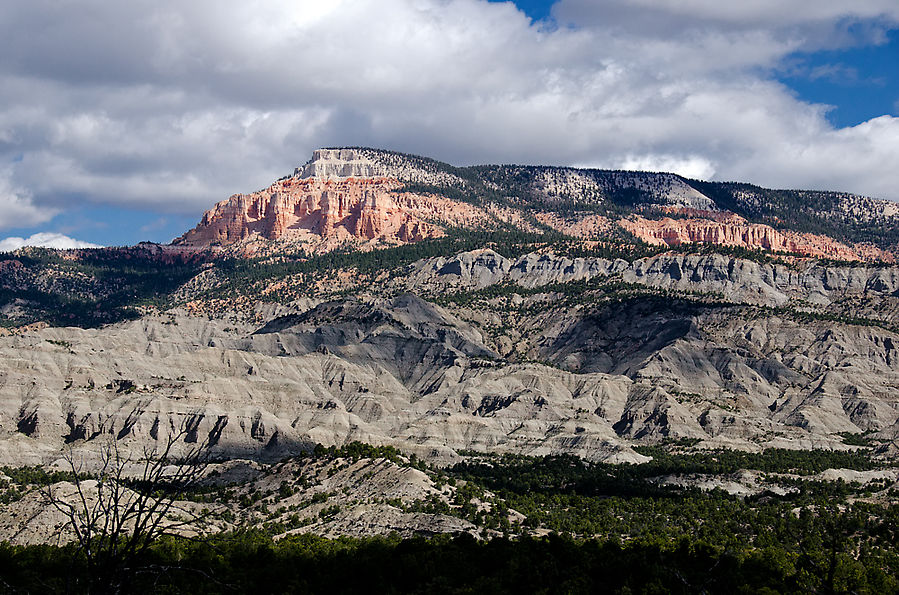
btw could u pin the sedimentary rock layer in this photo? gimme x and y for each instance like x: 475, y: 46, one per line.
x: 303, y: 208
x: 734, y: 231
x: 432, y: 380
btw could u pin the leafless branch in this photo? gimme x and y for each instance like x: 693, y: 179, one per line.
x: 118, y: 517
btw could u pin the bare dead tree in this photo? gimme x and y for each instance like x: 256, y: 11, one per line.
x: 116, y: 514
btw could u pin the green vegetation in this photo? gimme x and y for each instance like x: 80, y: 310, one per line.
x: 863, y: 439
x: 799, y: 210
x: 807, y: 316
x: 359, y: 450
x: 25, y: 476
x: 22, y: 479
x: 772, y: 460
x: 252, y: 562
x: 597, y: 292
x: 759, y: 256
x: 615, y: 194
x: 251, y: 276
x: 565, y: 493
x: 816, y: 529
x: 602, y: 192
x: 99, y: 287
x: 613, y: 528
x: 109, y: 285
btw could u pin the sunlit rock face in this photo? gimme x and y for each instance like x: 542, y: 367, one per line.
x: 339, y: 196
x: 734, y: 231
x: 341, y: 164
x: 365, y: 197
x: 360, y: 208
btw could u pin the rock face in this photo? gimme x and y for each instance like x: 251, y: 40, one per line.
x: 741, y: 281
x: 324, y: 213
x: 326, y: 208
x: 355, y: 196
x: 665, y: 189
x: 400, y: 372
x: 432, y: 380
x: 732, y: 230
x: 534, y: 354
x: 342, y: 164
x: 340, y: 197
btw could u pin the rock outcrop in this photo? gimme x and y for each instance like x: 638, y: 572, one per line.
x: 433, y: 381
x: 324, y: 213
x: 355, y: 196
x: 399, y: 372
x: 665, y: 189
x: 340, y: 197
x: 735, y: 279
x: 734, y: 231
x: 747, y: 352
x: 342, y: 163
x: 329, y: 164
x: 333, y: 498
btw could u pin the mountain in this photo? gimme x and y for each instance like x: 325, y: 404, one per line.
x: 395, y: 300
x: 365, y: 197
x: 687, y: 375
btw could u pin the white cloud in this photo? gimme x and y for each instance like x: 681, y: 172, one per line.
x: 44, y: 240
x: 172, y: 106
x: 830, y: 159
x: 691, y: 167
x: 17, y: 209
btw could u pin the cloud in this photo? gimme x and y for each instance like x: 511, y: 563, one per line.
x: 691, y: 166
x: 766, y: 14
x: 155, y: 225
x: 17, y: 208
x: 44, y: 240
x: 171, y: 106
x: 834, y: 73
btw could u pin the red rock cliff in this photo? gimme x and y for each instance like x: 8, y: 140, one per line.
x: 327, y: 212
x: 733, y: 230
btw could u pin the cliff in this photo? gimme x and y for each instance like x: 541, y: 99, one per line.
x: 734, y: 231
x: 365, y: 197
x: 340, y: 196
x: 323, y: 213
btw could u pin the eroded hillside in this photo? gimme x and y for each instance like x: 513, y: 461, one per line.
x: 395, y: 300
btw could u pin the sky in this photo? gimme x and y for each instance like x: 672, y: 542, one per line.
x: 122, y: 122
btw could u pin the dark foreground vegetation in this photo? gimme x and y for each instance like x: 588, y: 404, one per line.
x: 250, y: 562
x: 554, y: 524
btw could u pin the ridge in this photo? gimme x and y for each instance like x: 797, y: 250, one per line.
x: 363, y: 198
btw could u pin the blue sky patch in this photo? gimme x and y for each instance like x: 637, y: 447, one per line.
x: 860, y: 82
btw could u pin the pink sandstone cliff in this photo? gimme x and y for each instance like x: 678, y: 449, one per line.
x: 330, y: 211
x: 728, y: 229
x: 318, y: 214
